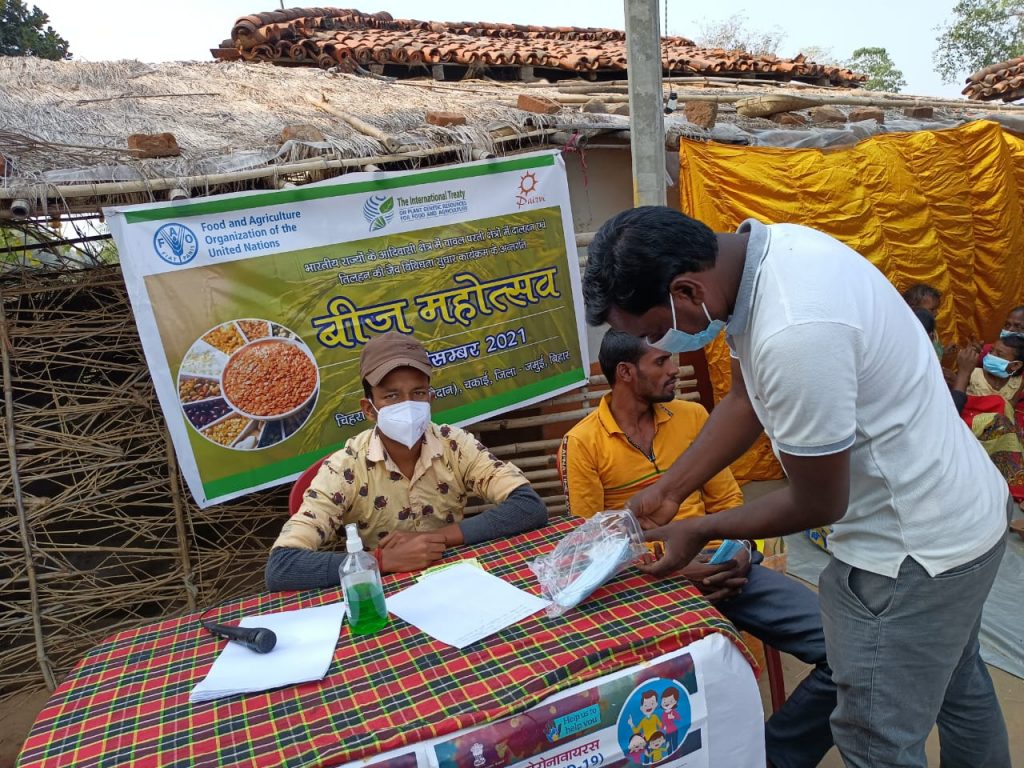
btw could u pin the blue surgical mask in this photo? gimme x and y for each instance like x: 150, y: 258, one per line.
x: 1004, y: 333
x: 675, y: 341
x: 997, y: 366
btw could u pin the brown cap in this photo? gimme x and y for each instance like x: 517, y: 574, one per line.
x: 391, y: 350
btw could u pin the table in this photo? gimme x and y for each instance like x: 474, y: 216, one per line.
x: 127, y: 702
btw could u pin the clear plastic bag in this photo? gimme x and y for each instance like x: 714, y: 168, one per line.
x: 588, y: 557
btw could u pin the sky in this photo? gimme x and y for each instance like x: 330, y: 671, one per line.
x: 186, y: 29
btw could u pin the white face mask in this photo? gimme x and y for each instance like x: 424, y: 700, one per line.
x: 404, y: 422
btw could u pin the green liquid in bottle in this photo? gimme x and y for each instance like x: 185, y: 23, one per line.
x: 367, y: 612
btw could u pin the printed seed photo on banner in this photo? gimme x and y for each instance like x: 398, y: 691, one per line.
x: 248, y: 384
x: 253, y: 307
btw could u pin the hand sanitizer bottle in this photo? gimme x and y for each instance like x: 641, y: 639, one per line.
x: 360, y: 584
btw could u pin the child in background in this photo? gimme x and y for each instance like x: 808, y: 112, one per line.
x: 928, y: 321
x: 924, y: 297
x: 1000, y: 372
x: 921, y: 296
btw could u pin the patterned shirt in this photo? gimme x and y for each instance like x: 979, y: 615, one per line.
x: 361, y: 484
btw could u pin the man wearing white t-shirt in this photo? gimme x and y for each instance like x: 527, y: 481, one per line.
x: 833, y: 365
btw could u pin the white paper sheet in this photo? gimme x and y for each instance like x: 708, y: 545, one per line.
x: 306, y: 640
x: 463, y: 604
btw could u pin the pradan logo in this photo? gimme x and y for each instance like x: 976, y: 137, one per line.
x: 378, y: 210
x: 176, y: 244
x: 527, y: 190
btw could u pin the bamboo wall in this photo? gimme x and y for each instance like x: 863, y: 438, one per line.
x: 97, y: 534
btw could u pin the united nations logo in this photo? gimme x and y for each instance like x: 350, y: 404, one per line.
x: 378, y: 211
x: 176, y: 244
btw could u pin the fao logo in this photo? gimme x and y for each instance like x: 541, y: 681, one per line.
x: 176, y: 244
x: 378, y: 211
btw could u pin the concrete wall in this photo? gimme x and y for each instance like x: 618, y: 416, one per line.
x: 604, y: 189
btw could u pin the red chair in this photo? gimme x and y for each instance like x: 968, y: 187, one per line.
x: 776, y: 681
x: 301, y: 484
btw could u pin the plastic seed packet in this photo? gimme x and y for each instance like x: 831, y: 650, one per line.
x: 588, y: 557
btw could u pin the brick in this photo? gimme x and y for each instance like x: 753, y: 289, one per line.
x: 866, y: 113
x: 301, y: 132
x: 596, y: 106
x: 821, y: 115
x: 788, y: 118
x: 541, y: 105
x: 446, y: 118
x: 144, y: 145
x: 919, y: 113
x: 701, y: 113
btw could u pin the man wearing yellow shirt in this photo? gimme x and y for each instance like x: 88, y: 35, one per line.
x: 635, y: 434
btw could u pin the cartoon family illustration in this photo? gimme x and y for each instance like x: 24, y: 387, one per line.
x: 656, y: 735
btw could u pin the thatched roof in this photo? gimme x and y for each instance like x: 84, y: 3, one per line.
x: 65, y: 127
x: 67, y: 122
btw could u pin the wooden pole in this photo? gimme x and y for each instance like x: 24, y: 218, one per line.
x: 713, y: 82
x: 820, y: 99
x: 179, y: 522
x: 513, y: 449
x: 102, y: 189
x: 390, y: 143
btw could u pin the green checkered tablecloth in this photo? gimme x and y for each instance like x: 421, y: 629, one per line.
x: 126, y: 703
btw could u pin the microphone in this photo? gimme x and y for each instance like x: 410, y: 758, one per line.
x: 256, y: 639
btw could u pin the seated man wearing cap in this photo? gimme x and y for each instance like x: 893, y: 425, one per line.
x: 404, y: 482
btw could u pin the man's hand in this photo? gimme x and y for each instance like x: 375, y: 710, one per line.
x: 720, y: 581
x: 403, y: 551
x: 683, y: 540
x: 730, y: 430
x: 967, y: 358
x: 966, y: 362
x: 653, y: 506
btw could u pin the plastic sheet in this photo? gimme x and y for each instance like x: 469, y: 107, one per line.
x: 588, y: 557
x: 938, y: 207
x: 837, y: 137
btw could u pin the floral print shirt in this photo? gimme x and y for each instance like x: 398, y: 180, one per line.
x: 361, y: 484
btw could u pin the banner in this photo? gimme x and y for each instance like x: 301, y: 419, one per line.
x: 253, y: 308
x: 655, y: 715
x: 694, y: 707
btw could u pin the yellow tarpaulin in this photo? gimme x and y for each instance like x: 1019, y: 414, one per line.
x: 937, y: 207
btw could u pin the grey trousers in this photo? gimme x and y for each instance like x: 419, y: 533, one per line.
x: 904, y: 655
